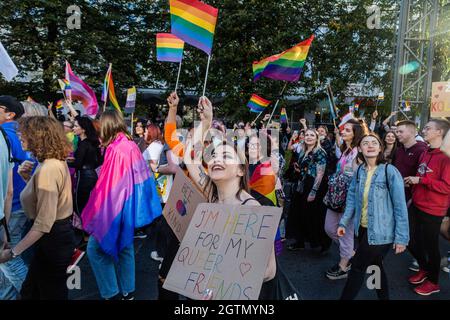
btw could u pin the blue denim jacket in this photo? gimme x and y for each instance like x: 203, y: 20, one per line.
x: 387, y: 212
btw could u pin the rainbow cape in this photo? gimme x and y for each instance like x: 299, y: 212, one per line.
x: 81, y: 91
x: 123, y: 199
x: 194, y: 22
x: 286, y: 66
x: 257, y: 104
x: 262, y: 182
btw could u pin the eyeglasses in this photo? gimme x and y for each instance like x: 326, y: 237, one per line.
x: 427, y: 128
x: 253, y: 146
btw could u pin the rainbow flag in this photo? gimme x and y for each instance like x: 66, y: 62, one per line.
x: 169, y: 47
x: 356, y: 107
x: 82, y: 92
x: 124, y: 197
x: 283, y: 116
x: 406, y: 106
x: 257, y: 104
x: 108, y: 89
x: 59, y: 104
x: 286, y: 66
x: 194, y: 22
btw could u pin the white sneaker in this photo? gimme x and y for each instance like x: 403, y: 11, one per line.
x: 154, y: 255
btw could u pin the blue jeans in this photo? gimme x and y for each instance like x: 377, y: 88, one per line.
x: 112, y: 277
x: 13, y: 272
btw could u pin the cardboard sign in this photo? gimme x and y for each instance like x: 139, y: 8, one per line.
x: 226, y: 250
x: 440, y: 99
x: 181, y: 204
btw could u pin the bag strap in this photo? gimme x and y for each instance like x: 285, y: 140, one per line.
x: 247, y: 200
x: 11, y: 159
x: 386, y: 175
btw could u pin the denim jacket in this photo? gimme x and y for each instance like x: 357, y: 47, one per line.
x: 387, y: 212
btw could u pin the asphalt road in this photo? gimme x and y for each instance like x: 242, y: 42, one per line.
x: 304, y: 268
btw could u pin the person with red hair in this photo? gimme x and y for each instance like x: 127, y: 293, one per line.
x: 155, y: 140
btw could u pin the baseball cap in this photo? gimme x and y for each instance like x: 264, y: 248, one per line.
x: 13, y: 105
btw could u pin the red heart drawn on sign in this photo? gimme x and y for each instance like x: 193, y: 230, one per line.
x: 244, y: 268
x: 440, y: 88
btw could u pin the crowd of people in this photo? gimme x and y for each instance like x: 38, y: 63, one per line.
x: 72, y: 186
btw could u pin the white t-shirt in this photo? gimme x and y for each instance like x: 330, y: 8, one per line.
x: 153, y: 151
x: 5, y: 167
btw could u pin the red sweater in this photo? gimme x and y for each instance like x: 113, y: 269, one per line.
x: 432, y: 194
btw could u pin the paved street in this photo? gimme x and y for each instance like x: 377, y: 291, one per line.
x: 304, y: 268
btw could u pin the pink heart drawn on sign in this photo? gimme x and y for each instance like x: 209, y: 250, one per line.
x: 440, y: 88
x: 244, y: 268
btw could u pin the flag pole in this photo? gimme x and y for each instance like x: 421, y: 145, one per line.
x: 107, y: 89
x: 206, y: 76
x: 132, y: 118
x: 276, y: 104
x: 253, y: 122
x: 178, y: 77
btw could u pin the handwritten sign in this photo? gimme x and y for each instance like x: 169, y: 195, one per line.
x: 440, y: 99
x: 226, y: 250
x: 183, y: 199
x: 130, y: 105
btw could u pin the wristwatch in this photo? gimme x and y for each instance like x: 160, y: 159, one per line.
x: 13, y: 255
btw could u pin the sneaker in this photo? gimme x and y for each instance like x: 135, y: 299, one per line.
x: 418, y: 278
x: 154, y: 255
x: 427, y: 288
x: 414, y: 266
x: 76, y: 257
x: 336, y: 273
x: 128, y: 296
x: 140, y: 234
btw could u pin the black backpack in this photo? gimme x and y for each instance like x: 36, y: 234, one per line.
x: 8, y: 145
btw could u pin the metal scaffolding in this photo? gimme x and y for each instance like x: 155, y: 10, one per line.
x: 414, y: 55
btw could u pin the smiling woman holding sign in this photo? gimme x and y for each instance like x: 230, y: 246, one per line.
x: 227, y: 178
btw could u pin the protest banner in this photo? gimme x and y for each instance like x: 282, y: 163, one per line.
x: 226, y: 250
x: 183, y: 199
x: 440, y: 99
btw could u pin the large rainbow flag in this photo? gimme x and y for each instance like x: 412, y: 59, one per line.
x: 169, y: 47
x: 108, y: 89
x: 194, y: 22
x: 123, y: 199
x: 257, y: 104
x: 286, y: 66
x: 262, y: 182
x: 82, y: 92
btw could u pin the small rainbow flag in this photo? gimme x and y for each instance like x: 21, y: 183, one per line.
x: 169, y: 47
x: 286, y: 66
x: 283, y: 116
x: 194, y: 22
x: 257, y: 104
x: 356, y: 107
x: 406, y: 106
x: 108, y: 89
x: 59, y: 104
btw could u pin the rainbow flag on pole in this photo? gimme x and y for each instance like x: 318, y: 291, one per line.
x: 81, y: 91
x: 257, y: 104
x: 283, y: 116
x: 108, y: 89
x: 194, y: 22
x: 169, y: 47
x: 286, y: 66
x: 59, y: 104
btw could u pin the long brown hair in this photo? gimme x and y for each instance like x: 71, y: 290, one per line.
x: 359, y: 131
x: 45, y: 138
x: 211, y: 189
x: 112, y: 123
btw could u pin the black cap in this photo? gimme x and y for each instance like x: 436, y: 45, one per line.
x: 13, y: 105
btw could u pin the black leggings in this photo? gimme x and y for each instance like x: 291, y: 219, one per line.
x: 425, y: 244
x: 365, y: 256
x: 47, y: 277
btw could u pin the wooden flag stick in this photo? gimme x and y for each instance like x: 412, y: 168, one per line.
x: 276, y: 104
x: 254, y: 121
x: 206, y: 76
x: 178, y: 77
